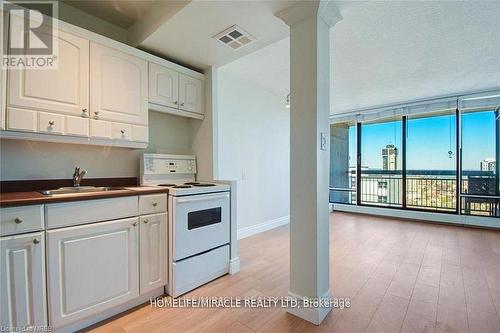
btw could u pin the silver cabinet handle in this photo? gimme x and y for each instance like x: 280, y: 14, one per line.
x: 84, y: 110
x: 122, y: 131
x: 36, y: 240
x: 182, y: 104
x: 18, y: 220
x: 134, y: 224
x: 146, y: 221
x: 155, y: 204
x: 176, y: 102
x: 84, y: 113
x: 51, y: 122
x: 96, y: 114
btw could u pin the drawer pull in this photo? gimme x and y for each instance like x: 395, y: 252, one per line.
x: 18, y: 220
x: 176, y: 102
x: 134, y: 224
x: 122, y: 131
x: 146, y: 221
x: 36, y: 240
x: 51, y: 122
x: 155, y: 204
x: 182, y: 104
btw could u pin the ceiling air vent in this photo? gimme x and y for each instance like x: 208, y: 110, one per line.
x: 235, y: 37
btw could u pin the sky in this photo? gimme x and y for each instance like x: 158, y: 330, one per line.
x: 429, y: 140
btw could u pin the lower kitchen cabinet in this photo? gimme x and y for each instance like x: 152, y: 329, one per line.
x: 22, y: 280
x: 91, y: 268
x: 153, y: 252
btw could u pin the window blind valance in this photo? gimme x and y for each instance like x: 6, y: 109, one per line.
x: 466, y: 103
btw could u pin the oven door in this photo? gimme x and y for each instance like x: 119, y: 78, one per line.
x: 200, y: 223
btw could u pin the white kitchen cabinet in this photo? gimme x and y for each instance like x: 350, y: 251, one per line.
x: 76, y: 126
x: 190, y: 94
x: 163, y: 86
x: 153, y: 268
x: 50, y: 123
x: 121, y: 131
x: 22, y: 120
x: 64, y: 89
x: 91, y: 268
x: 100, y: 129
x: 22, y: 280
x: 118, y: 84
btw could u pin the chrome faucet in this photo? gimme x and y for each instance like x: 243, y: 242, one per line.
x: 77, y: 176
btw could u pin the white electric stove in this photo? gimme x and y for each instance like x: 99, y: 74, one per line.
x: 199, y: 221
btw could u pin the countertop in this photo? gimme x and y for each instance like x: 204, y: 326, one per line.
x: 34, y: 198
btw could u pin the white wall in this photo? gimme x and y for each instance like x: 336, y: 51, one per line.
x: 253, y: 128
x: 21, y: 159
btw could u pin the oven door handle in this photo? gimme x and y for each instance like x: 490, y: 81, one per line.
x: 202, y: 198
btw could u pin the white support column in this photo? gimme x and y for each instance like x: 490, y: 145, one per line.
x: 310, y: 23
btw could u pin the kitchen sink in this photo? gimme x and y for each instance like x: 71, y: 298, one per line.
x: 79, y: 189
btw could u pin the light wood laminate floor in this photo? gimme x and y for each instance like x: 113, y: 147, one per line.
x: 401, y: 276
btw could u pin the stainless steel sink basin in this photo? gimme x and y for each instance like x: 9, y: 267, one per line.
x: 78, y: 190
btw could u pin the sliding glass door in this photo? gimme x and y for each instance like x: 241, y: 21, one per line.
x: 381, y: 167
x: 431, y: 162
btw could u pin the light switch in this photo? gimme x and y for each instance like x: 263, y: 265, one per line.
x: 323, y: 141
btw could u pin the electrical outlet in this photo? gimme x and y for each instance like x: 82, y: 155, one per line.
x: 323, y: 141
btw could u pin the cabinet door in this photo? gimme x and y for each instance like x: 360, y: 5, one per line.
x: 64, y: 89
x: 153, y: 252
x: 22, y: 280
x: 163, y: 86
x: 190, y: 94
x: 91, y: 268
x: 118, y: 84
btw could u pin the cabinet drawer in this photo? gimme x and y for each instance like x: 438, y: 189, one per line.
x: 153, y: 203
x: 120, y: 131
x: 100, y: 129
x: 89, y: 211
x: 50, y: 123
x: 16, y: 220
x: 140, y: 133
x: 21, y: 120
x: 76, y: 126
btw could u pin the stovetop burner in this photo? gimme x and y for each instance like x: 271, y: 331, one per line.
x: 204, y: 185
x: 182, y: 186
x: 166, y: 185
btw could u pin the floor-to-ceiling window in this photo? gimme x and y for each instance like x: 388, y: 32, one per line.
x: 431, y: 162
x: 440, y: 155
x: 343, y: 169
x: 480, y: 154
x: 380, y: 164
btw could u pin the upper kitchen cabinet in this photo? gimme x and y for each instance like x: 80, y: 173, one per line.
x: 190, y: 94
x: 118, y: 84
x: 64, y: 89
x: 163, y: 86
x: 174, y: 92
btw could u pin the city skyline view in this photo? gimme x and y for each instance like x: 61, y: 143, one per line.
x: 431, y: 137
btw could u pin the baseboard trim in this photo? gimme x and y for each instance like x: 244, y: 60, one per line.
x: 312, y: 315
x: 234, y: 265
x: 264, y: 226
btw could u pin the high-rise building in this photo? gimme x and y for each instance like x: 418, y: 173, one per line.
x: 488, y: 164
x: 390, y: 157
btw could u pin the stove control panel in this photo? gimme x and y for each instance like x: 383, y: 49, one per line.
x: 162, y: 164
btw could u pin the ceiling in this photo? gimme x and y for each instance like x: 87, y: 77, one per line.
x: 187, y: 36
x: 122, y: 13
x: 389, y: 52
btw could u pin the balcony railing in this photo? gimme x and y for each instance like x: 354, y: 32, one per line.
x: 425, y: 189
